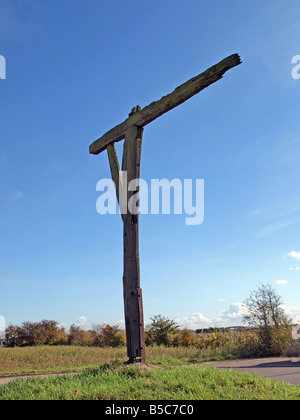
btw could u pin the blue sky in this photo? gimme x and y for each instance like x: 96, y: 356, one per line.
x: 74, y: 70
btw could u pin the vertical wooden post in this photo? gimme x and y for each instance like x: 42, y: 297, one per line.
x: 133, y: 306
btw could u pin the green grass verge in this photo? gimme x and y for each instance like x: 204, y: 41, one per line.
x: 118, y: 382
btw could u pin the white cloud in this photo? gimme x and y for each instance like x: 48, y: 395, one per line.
x: 282, y: 282
x: 229, y: 317
x: 233, y: 315
x: 295, y: 254
x: 194, y: 321
x: 293, y: 312
x: 121, y: 324
x: 17, y: 195
x: 220, y: 300
x: 83, y: 323
x: 294, y: 268
x: 82, y: 320
x: 2, y: 327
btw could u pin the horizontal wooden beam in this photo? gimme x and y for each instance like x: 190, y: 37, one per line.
x: 156, y: 109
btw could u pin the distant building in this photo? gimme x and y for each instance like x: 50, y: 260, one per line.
x: 222, y: 329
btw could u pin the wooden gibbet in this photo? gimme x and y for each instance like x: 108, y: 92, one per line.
x: 132, y: 131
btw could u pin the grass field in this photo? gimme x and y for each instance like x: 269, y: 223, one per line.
x: 60, y: 358
x: 114, y: 381
x: 174, y: 374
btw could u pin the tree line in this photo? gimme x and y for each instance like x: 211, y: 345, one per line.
x: 48, y: 332
x: 161, y: 331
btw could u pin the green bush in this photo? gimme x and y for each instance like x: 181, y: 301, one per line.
x: 111, y: 336
x: 161, y: 331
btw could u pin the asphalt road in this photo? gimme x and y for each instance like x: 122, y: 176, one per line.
x: 278, y: 369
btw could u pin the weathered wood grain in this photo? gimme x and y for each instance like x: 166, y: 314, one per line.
x: 117, y: 178
x: 181, y: 94
x: 131, y: 277
x: 114, y: 167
